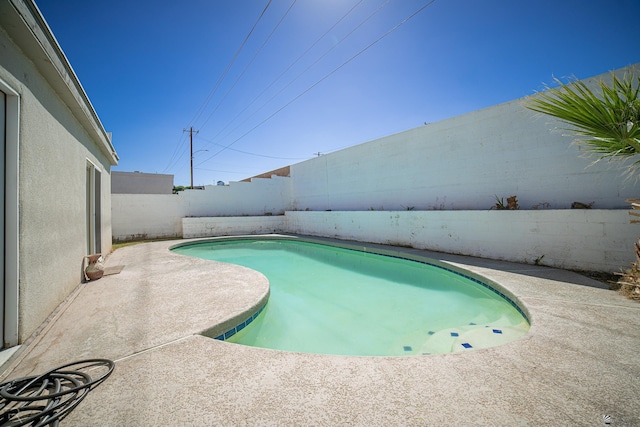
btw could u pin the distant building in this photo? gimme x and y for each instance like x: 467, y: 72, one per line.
x: 141, y: 183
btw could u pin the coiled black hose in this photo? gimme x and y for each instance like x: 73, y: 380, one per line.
x: 46, y: 399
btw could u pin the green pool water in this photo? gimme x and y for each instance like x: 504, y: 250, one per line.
x: 331, y: 300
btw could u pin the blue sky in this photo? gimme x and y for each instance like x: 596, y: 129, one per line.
x: 316, y: 76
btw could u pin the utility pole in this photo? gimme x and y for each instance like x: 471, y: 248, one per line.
x: 191, y: 150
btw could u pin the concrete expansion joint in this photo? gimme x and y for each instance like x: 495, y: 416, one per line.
x: 152, y: 348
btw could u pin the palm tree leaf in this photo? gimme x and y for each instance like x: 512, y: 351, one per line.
x: 607, y: 123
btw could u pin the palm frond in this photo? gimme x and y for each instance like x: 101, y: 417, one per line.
x: 607, y: 123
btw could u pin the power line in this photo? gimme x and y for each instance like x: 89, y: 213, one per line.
x: 285, y: 71
x: 248, y: 64
x: 252, y: 154
x: 222, y: 171
x: 173, y: 159
x: 304, y: 71
x: 215, y: 88
x: 233, y: 59
x: 404, y: 21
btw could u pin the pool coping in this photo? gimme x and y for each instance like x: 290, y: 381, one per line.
x: 578, y: 362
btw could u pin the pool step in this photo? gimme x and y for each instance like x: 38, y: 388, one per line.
x: 487, y: 337
x: 471, y: 337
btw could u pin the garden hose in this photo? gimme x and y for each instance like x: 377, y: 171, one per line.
x: 46, y: 399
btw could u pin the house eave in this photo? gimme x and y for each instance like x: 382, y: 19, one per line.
x: 25, y: 24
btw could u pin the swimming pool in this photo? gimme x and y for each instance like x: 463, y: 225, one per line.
x: 334, y: 300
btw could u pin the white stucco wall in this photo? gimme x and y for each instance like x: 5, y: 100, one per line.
x: 585, y: 239
x: 146, y: 216
x: 232, y: 226
x: 57, y: 137
x: 258, y: 197
x: 462, y: 163
x: 139, y: 216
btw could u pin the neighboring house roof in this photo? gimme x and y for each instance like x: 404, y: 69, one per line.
x: 284, y: 171
x: 24, y: 23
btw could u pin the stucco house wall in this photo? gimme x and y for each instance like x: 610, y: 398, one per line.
x: 61, y: 143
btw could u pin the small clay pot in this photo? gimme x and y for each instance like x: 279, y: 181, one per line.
x: 94, y: 274
x: 95, y: 269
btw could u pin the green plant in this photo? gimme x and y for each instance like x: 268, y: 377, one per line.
x: 512, y: 203
x: 606, y: 123
x: 499, y: 204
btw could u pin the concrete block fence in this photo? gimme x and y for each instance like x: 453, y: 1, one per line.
x: 583, y: 239
x: 232, y: 226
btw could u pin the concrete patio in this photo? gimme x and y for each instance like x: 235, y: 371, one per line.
x: 580, y: 360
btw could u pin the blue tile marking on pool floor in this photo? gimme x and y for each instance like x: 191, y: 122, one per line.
x: 467, y: 345
x: 231, y: 332
x: 407, y: 348
x: 497, y: 331
x: 454, y: 334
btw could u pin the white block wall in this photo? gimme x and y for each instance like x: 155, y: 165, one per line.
x: 586, y: 239
x: 141, y: 216
x: 146, y: 216
x: 232, y: 226
x: 259, y: 197
x: 462, y: 163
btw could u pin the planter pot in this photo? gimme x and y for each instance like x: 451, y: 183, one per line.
x: 95, y: 269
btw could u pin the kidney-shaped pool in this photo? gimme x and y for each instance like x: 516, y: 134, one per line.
x: 332, y: 300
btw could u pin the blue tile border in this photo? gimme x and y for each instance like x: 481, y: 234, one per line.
x: 231, y: 332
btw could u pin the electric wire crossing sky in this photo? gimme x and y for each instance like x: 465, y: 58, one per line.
x: 270, y: 83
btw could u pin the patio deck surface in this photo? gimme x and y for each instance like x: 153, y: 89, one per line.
x: 579, y: 361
